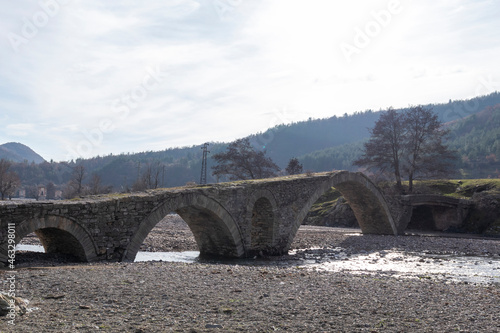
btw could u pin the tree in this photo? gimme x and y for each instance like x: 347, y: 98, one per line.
x: 150, y: 178
x: 96, y: 187
x: 294, y: 167
x: 408, y: 143
x: 75, y: 186
x: 241, y: 161
x: 9, y: 181
x: 385, y: 148
x: 51, y: 190
x: 425, y: 153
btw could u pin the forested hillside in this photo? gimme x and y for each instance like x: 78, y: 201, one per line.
x: 477, y: 142
x: 319, y: 144
x: 286, y: 141
x: 17, y: 152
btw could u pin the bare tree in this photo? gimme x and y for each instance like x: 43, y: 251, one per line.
x: 9, y: 181
x: 408, y: 143
x: 75, y: 186
x: 150, y: 178
x: 385, y: 148
x: 294, y: 167
x: 95, y: 185
x: 241, y: 161
x: 425, y: 153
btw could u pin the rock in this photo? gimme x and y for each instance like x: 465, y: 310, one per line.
x: 213, y: 326
x: 50, y: 296
x: 8, y: 303
x: 484, y: 217
x: 339, y: 214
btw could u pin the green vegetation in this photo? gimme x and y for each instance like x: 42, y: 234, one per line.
x: 485, y: 193
x: 325, y: 203
x: 463, y: 188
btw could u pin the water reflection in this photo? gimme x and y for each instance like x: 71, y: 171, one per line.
x: 30, y: 248
x: 187, y: 256
x: 418, y: 265
x: 393, y: 263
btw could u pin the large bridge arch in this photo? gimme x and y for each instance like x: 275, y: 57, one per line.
x: 365, y: 198
x: 214, y: 230
x: 57, y: 234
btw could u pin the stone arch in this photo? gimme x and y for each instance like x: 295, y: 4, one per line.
x: 214, y: 229
x: 431, y: 212
x: 58, y: 234
x: 262, y: 213
x: 364, y: 197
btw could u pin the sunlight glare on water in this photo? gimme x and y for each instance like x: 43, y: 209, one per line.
x: 393, y: 263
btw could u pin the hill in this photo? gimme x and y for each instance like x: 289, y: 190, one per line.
x: 314, y: 135
x: 319, y: 144
x: 17, y: 152
x: 475, y: 138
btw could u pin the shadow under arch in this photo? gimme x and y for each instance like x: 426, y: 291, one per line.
x: 262, y: 213
x: 363, y: 196
x: 58, y: 235
x: 214, y: 229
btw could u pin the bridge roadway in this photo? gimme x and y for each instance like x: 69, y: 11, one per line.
x: 236, y: 219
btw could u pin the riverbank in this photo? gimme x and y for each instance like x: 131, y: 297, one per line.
x: 215, y: 297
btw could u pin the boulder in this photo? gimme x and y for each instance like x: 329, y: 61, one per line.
x: 6, y: 302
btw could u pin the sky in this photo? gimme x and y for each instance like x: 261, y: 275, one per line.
x: 81, y: 78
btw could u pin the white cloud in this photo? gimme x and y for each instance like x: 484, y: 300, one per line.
x: 20, y: 130
x: 228, y: 74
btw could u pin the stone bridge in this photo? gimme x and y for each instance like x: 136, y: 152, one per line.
x: 433, y: 212
x: 237, y: 219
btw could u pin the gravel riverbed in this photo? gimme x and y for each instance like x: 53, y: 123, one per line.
x: 214, y: 297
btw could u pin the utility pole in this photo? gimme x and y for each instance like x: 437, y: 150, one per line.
x: 203, y: 178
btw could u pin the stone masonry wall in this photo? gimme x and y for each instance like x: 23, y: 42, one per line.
x: 112, y: 227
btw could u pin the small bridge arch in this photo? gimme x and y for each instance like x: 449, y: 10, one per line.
x: 263, y: 214
x: 436, y: 212
x: 214, y: 230
x: 365, y: 198
x: 58, y: 234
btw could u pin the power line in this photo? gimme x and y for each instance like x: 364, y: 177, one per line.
x: 203, y: 177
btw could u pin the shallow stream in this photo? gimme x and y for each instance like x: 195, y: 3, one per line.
x: 470, y: 269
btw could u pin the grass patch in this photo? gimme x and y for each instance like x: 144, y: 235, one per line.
x: 458, y: 188
x: 325, y: 203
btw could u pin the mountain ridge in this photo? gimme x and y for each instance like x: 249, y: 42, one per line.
x: 18, y: 152
x: 319, y: 144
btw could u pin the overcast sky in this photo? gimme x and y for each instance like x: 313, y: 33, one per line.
x: 87, y: 77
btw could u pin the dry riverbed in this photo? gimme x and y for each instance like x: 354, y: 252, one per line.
x: 206, y: 297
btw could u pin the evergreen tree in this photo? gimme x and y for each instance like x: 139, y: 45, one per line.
x: 294, y: 167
